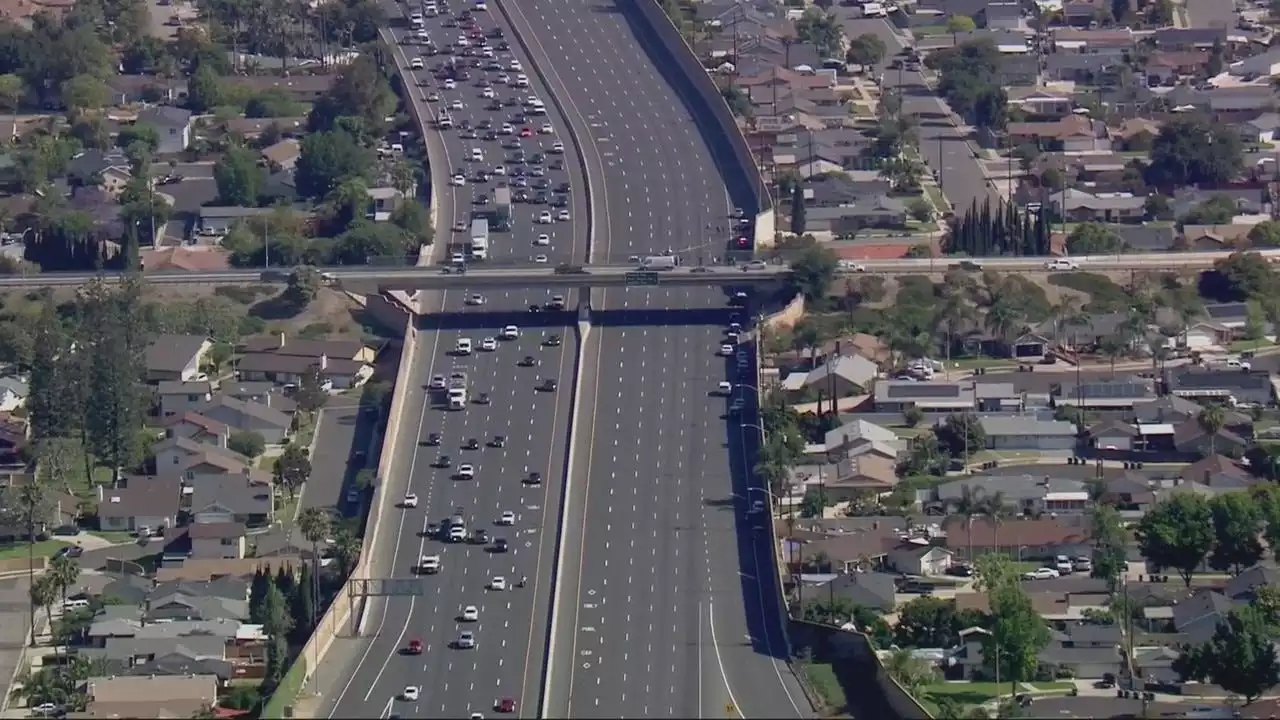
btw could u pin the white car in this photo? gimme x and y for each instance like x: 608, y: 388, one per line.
x: 499, y: 169
x: 724, y: 387
x: 430, y: 564
x: 467, y: 640
x: 1062, y: 264
x: 515, y: 66
x: 850, y: 266
x: 488, y: 93
x: 475, y: 299
x: 510, y: 332
x: 508, y: 129
x: 410, y: 693
x: 757, y: 265
x: 563, y: 216
x: 467, y: 472
x: 457, y: 534
x: 457, y: 258
x: 508, y: 518
x: 546, y: 129
x: 416, y: 64
x: 502, y: 79
x: 498, y: 583
x: 437, y: 382
x: 726, y: 350
x: 540, y: 259
x: 450, y: 85
x: 45, y: 710
x: 470, y: 613
x: 1044, y: 573
x: 542, y: 240
x: 557, y: 148
x: 458, y: 180
x: 433, y: 97
x: 544, y: 217
x: 463, y: 346
x: 488, y: 344
x: 456, y: 105
x: 410, y: 500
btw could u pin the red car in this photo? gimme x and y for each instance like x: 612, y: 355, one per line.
x: 526, y: 132
x: 415, y: 647
x: 505, y: 705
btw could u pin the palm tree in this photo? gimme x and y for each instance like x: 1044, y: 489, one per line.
x: 1211, y: 420
x: 32, y: 497
x: 315, y: 526
x: 43, y: 593
x: 971, y: 505
x: 1113, y: 348
x: 62, y: 574
x: 997, y: 512
x: 346, y: 551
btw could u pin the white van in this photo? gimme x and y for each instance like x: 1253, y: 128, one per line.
x: 75, y: 604
x: 477, y: 155
x: 463, y: 346
x: 417, y: 20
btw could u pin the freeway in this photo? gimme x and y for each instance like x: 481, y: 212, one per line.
x: 504, y: 402
x: 653, y: 617
x: 516, y: 273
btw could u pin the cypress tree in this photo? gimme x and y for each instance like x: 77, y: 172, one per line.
x: 798, y: 219
x: 258, y: 594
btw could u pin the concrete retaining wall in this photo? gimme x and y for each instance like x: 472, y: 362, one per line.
x: 389, y: 313
x: 676, y: 57
x: 788, y: 316
x: 868, y: 688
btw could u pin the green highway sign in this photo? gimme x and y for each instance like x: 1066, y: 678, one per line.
x: 642, y: 277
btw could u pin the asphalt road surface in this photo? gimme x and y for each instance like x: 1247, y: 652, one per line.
x: 510, y: 632
x: 656, y: 619
x: 942, y: 143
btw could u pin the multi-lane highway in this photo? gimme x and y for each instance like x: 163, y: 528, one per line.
x: 653, y: 616
x: 518, y: 424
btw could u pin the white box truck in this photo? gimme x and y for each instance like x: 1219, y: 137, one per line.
x: 659, y: 262
x: 479, y: 239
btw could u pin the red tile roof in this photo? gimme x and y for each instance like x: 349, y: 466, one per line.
x: 879, y: 251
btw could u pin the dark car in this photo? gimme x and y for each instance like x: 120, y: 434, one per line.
x: 535, y: 308
x: 528, y: 360
x: 498, y: 441
x: 482, y: 399
x: 434, y: 439
x: 541, y: 198
x: 548, y: 385
x: 542, y: 184
x: 553, y: 341
x: 471, y: 444
x: 443, y: 461
x: 521, y: 196
x: 502, y: 46
x: 559, y: 201
x: 533, y: 478
x: 500, y: 545
x: 480, y: 536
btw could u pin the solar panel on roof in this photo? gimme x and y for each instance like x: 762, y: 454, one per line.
x: 921, y: 390
x: 1101, y: 391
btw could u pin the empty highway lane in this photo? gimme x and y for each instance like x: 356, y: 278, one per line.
x: 657, y: 620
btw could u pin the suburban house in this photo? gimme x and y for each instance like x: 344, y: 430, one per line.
x: 1246, y: 387
x: 282, y: 156
x: 13, y: 393
x: 1034, y: 539
x: 172, y: 125
x: 177, y: 396
x: 1023, y: 433
x: 1087, y: 650
x: 840, y: 376
x: 920, y: 558
x: 150, y: 696
x: 345, y: 363
x: 1083, y: 206
x: 140, y: 502
x: 176, y: 358
x: 194, y: 426
x: 193, y: 461
x: 383, y: 201
x: 220, y: 219
x: 1023, y: 494
x: 1116, y: 394
x: 248, y: 416
x: 209, y: 537
x: 856, y: 438
x: 848, y: 478
x: 233, y: 499
x: 934, y: 396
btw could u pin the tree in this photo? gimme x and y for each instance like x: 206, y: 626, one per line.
x: 248, y: 443
x: 1265, y: 234
x: 239, y: 178
x: 1189, y: 150
x: 961, y: 434
x: 84, y: 92
x: 292, y: 468
x: 1093, y: 239
x: 1211, y: 419
x: 866, y: 49
x: 315, y: 525
x: 1109, y: 543
x: 1237, y: 525
x: 12, y: 90
x: 1177, y: 533
x: 143, y: 135
x: 911, y: 672
x: 813, y: 504
x: 303, y: 604
x: 311, y: 395
x: 304, y: 285
x: 812, y: 272
x: 276, y: 623
x: 1217, y: 210
x: 798, y: 220
x: 1018, y: 633
x: 360, y: 91
x: 328, y: 158
x: 957, y: 24
x: 1240, y: 657
x: 204, y: 90
x: 930, y: 622
x: 820, y: 29
x: 42, y: 593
